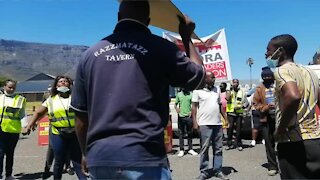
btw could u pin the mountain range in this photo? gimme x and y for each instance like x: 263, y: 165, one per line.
x: 21, y: 60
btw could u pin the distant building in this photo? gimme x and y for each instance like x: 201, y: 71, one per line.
x: 316, y: 57
x: 36, y: 87
x: 245, y: 84
x: 41, y: 77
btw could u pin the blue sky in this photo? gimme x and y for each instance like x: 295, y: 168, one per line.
x: 249, y: 24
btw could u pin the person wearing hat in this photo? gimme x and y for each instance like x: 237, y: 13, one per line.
x: 263, y: 102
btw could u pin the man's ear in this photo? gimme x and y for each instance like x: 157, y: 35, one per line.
x: 281, y: 49
x: 148, y: 21
x: 281, y: 52
x: 119, y: 16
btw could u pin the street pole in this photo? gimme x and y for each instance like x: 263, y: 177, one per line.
x: 250, y: 77
x: 250, y: 63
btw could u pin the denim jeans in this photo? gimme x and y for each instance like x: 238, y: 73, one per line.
x: 8, y: 142
x: 211, y: 134
x: 61, y: 146
x: 130, y: 173
x: 185, y: 125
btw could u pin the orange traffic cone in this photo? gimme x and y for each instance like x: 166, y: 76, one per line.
x: 168, y: 136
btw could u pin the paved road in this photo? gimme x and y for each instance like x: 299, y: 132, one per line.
x: 248, y: 164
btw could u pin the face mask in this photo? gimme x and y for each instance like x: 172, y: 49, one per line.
x: 273, y: 63
x: 63, y: 89
x: 8, y: 94
x: 268, y: 81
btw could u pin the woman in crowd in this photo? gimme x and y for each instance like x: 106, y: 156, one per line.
x: 62, y: 136
x: 12, y: 110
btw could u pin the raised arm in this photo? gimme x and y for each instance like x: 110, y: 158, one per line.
x: 290, y: 106
x: 186, y: 28
x: 37, y: 115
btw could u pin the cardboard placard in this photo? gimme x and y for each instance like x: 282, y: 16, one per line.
x: 164, y: 14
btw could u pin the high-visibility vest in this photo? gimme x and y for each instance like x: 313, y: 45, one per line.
x: 59, y: 116
x: 10, y: 113
x: 237, y: 100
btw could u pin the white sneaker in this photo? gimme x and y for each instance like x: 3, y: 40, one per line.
x: 263, y: 142
x: 181, y: 153
x: 192, y: 152
x: 253, y: 143
x: 272, y: 172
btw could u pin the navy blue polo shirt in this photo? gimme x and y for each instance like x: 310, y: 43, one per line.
x: 122, y: 82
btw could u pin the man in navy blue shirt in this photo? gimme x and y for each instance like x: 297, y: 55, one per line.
x: 121, y: 96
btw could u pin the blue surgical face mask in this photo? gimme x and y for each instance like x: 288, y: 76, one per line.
x: 273, y: 63
x: 63, y: 89
x: 9, y: 94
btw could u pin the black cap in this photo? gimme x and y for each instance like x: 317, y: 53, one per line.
x: 266, y: 72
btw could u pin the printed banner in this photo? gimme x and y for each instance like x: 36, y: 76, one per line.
x: 214, y: 52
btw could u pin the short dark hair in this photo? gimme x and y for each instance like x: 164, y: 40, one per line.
x: 286, y: 41
x: 223, y: 84
x: 135, y: 8
x: 10, y: 80
x: 266, y: 72
x: 54, y: 90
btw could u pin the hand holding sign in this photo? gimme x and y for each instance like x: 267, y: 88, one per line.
x: 186, y: 27
x: 164, y: 14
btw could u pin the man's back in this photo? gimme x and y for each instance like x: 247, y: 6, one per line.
x: 126, y: 79
x: 304, y: 124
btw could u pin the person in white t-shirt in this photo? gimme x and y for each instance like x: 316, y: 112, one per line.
x: 206, y: 109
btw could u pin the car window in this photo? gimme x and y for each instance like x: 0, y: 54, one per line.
x: 251, y: 91
x: 172, y: 92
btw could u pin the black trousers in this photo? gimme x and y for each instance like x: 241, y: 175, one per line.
x: 299, y: 160
x: 238, y: 120
x: 185, y: 126
x: 8, y: 142
x: 267, y: 133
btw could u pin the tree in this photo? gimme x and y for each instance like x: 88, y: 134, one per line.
x: 250, y: 63
x: 2, y: 81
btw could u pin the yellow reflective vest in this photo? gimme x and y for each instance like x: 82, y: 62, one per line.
x: 11, y: 113
x: 58, y: 114
x: 237, y: 100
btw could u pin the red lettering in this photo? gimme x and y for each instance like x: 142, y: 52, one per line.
x: 199, y: 46
x: 218, y: 69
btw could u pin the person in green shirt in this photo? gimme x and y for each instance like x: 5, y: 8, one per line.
x: 183, y: 108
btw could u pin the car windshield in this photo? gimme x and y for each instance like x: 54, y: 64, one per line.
x: 172, y: 92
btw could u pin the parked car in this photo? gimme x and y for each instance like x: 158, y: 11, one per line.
x: 173, y: 112
x: 174, y: 117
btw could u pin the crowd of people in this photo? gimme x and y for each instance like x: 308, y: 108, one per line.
x: 119, y: 104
